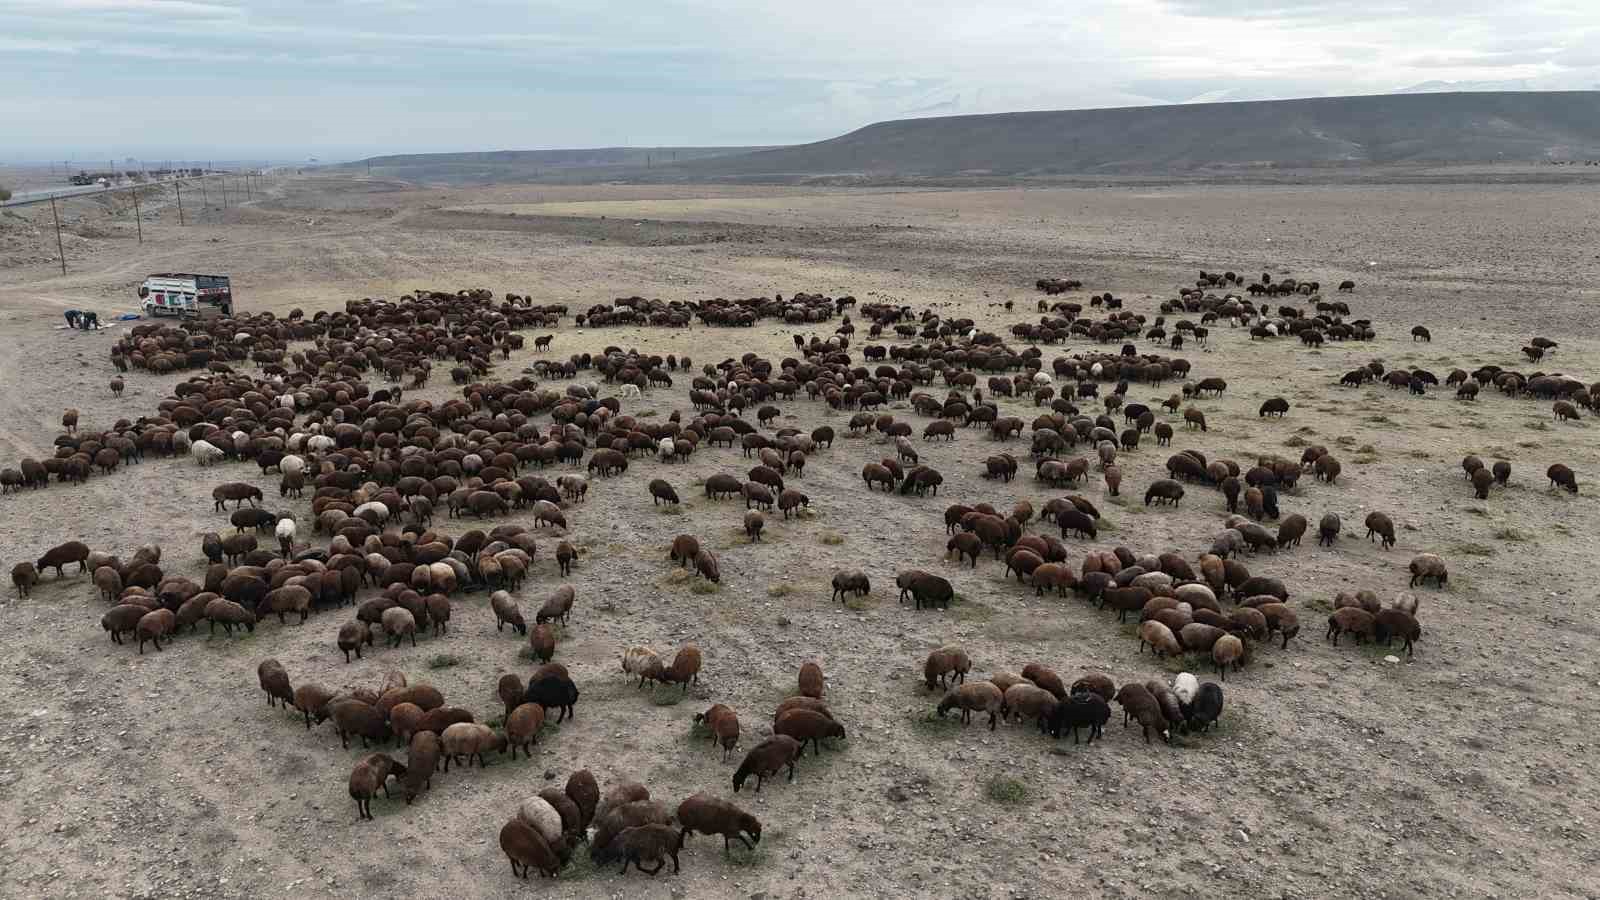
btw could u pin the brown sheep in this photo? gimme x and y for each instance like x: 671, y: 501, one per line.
x: 685, y: 668
x: 506, y: 612
x: 952, y: 661
x: 1349, y: 620
x: 543, y: 642
x: 422, y: 758
x: 361, y: 719
x: 1045, y: 677
x: 705, y: 814
x: 62, y: 554
x: 351, y: 636
x: 723, y: 723
x: 153, y: 626
x: 566, y: 555
x: 470, y: 740
x: 1138, y: 703
x: 1160, y: 638
x: 811, y: 681
x: 371, y: 773
x: 585, y: 792
x: 522, y: 728
x: 805, y: 725
x: 1229, y: 649
x: 1391, y: 623
x: 1381, y: 526
x: 977, y: 696
x: 766, y: 759
x: 274, y: 680
x: 509, y: 689
x: 312, y: 701
x: 1428, y: 565
x: 705, y: 563
x: 23, y: 577
x: 1026, y: 702
x: 642, y: 843
x: 526, y: 847
x: 1559, y: 475
x: 684, y: 550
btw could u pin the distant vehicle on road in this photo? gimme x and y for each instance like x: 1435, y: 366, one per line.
x: 187, y: 296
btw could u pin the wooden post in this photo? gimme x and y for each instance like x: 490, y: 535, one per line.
x: 138, y: 219
x: 178, y: 186
x: 60, y: 252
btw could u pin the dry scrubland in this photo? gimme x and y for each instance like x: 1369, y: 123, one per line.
x: 1465, y: 771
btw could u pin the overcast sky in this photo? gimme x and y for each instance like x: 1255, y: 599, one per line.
x: 340, y: 79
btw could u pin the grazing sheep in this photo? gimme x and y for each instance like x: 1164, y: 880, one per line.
x: 312, y: 701
x: 24, y: 575
x: 1162, y: 491
x: 506, y: 612
x: 422, y: 757
x: 360, y: 719
x: 1381, y: 526
x: 553, y: 691
x: 543, y: 642
x: 522, y: 728
x: 705, y: 564
x: 274, y: 679
x: 1086, y: 709
x: 1328, y: 530
x: 977, y: 696
x: 1160, y: 638
x: 525, y: 847
x: 62, y: 554
x: 723, y: 723
x: 643, y: 662
x: 1138, y: 703
x: 642, y: 843
x: 1559, y: 475
x: 544, y: 818
x: 1349, y: 620
x: 766, y: 759
x: 371, y: 773
x: 705, y: 814
x: 1206, y: 707
x: 1026, y: 702
x: 351, y: 636
x: 806, y: 725
x: 854, y: 582
x: 470, y: 740
x: 398, y: 624
x: 585, y: 792
x: 153, y: 626
x: 949, y: 661
x: 1428, y: 565
x: 811, y: 680
x: 685, y: 668
x: 1229, y: 649
x: 1391, y: 623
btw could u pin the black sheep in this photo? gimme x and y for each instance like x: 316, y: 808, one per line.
x: 1207, y: 706
x: 554, y: 691
x: 1084, y: 709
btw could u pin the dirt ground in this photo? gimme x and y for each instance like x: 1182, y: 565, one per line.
x: 1464, y: 771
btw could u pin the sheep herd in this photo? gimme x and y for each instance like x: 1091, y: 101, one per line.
x: 418, y: 505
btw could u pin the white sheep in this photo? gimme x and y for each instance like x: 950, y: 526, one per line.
x: 538, y: 813
x: 292, y: 464
x: 180, y: 442
x: 374, y: 513
x: 285, y: 534
x: 1186, y: 686
x: 1096, y: 369
x: 286, y: 401
x: 667, y: 448
x: 629, y: 391
x: 320, y: 443
x: 205, y: 453
x: 1041, y: 379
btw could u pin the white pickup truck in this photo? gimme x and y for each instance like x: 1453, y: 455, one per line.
x: 187, y: 296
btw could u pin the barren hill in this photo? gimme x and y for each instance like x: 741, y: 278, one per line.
x: 1462, y: 127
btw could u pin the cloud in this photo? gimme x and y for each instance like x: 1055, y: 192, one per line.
x: 405, y: 75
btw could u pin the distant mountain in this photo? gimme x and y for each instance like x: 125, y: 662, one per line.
x: 1397, y: 128
x: 498, y: 166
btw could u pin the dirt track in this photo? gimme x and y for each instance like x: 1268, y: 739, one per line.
x: 1463, y: 772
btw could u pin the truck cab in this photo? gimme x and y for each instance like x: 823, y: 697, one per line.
x: 185, y: 295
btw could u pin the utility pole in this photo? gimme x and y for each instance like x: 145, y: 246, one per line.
x: 224, y: 192
x: 60, y: 251
x: 178, y: 186
x: 138, y: 219
x: 248, y: 194
x: 203, y: 201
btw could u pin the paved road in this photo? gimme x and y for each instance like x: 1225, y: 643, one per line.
x: 26, y: 198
